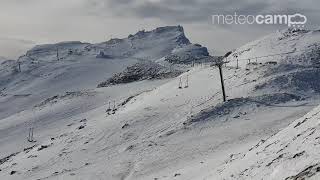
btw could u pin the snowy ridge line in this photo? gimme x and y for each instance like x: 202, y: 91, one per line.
x: 271, y: 55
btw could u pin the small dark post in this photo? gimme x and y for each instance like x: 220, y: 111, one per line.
x: 57, y: 54
x: 30, y: 136
x: 19, y: 66
x: 187, y: 82
x: 237, y: 63
x: 180, y: 83
x: 114, y: 105
x: 222, y: 82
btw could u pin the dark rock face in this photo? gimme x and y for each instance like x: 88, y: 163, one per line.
x: 43, y: 147
x: 304, y: 81
x: 292, y: 32
x: 307, y: 172
x: 103, y: 55
x: 187, y: 54
x: 144, y: 70
x: 5, y: 159
x: 181, y: 39
x: 81, y: 127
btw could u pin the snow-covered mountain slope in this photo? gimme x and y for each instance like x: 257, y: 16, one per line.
x: 57, y: 62
x: 296, y: 47
x: 296, y: 72
x: 56, y: 83
x: 149, y: 136
x: 154, y: 130
x: 40, y: 80
x: 151, y: 45
x: 293, y: 153
x: 47, y: 70
x: 293, y: 56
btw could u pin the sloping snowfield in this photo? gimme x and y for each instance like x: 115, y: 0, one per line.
x: 293, y: 153
x: 156, y: 130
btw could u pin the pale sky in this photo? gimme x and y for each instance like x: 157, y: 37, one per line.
x: 24, y: 23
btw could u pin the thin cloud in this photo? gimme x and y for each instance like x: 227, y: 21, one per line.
x: 195, y: 11
x: 47, y: 21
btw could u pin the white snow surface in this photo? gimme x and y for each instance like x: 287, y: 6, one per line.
x: 293, y: 153
x: 284, y: 47
x: 157, y: 131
